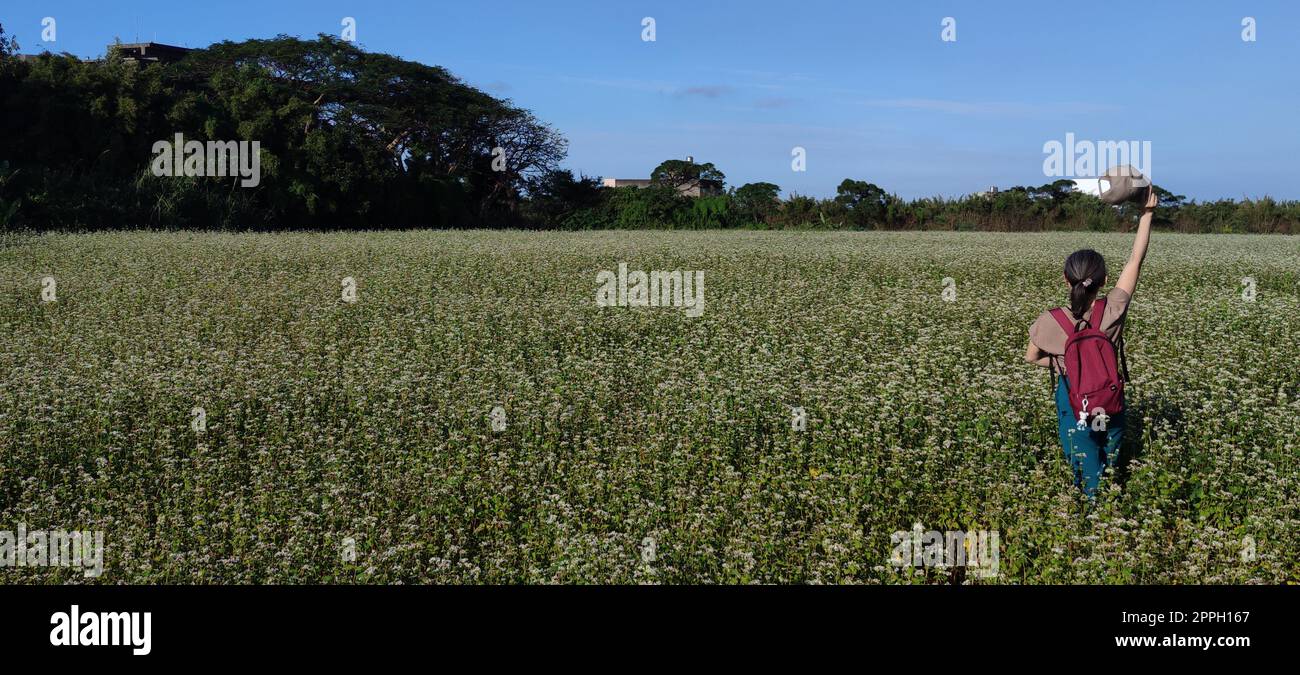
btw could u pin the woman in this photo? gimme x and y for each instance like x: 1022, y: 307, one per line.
x: 1089, y: 452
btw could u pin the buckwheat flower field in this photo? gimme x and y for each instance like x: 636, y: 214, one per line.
x: 216, y: 408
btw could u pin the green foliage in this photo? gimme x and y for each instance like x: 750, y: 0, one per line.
x: 866, y: 203
x: 8, y: 206
x: 348, y: 138
x: 711, y: 212
x: 863, y: 205
x: 8, y: 46
x: 555, y: 196
x: 756, y: 202
x: 679, y: 172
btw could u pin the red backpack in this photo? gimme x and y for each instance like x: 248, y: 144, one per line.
x: 1092, y: 363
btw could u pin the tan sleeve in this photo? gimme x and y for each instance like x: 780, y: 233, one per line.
x: 1047, y: 335
x: 1116, y: 309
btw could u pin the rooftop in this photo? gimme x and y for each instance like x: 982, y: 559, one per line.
x: 150, y: 51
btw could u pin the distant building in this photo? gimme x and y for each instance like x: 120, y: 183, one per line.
x: 626, y: 182
x: 136, y: 52
x: 693, y: 188
x: 150, y: 52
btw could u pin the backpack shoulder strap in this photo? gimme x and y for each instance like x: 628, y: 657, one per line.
x: 1061, y: 318
x: 1098, y: 311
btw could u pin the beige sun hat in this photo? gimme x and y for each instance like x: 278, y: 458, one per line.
x: 1122, y: 183
x: 1119, y: 184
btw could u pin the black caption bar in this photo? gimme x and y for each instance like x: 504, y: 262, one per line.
x: 329, y: 624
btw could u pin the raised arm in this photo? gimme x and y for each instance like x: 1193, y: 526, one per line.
x: 1128, y: 280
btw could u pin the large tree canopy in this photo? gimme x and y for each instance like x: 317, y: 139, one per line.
x: 679, y: 172
x: 347, y: 138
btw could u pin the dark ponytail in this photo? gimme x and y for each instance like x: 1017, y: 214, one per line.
x: 1086, y: 272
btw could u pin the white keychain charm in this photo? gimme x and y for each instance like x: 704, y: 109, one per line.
x: 1083, y: 416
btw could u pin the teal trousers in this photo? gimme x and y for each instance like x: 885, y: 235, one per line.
x: 1088, y: 452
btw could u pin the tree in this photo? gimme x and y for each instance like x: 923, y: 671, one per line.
x: 8, y: 208
x: 865, y: 202
x: 1169, y: 199
x: 364, y: 115
x: 678, y: 172
x: 1056, y: 192
x: 8, y: 47
x: 555, y: 195
x: 348, y: 138
x: 757, y: 201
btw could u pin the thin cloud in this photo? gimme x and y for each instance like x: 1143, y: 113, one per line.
x: 698, y: 91
x: 706, y: 91
x: 632, y: 84
x: 990, y: 108
x: 769, y: 76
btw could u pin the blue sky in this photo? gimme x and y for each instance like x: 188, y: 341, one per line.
x: 869, y: 89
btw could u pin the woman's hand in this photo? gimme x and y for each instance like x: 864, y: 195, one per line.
x: 1037, y: 356
x: 1153, y: 199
